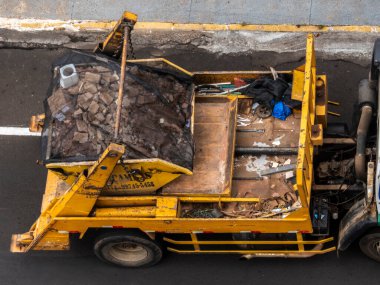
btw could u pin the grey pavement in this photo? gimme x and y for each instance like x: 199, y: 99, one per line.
x: 297, y: 12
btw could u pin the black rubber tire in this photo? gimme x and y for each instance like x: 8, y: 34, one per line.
x: 120, y: 248
x: 369, y: 245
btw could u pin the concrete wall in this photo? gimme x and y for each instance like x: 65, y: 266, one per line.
x: 303, y: 12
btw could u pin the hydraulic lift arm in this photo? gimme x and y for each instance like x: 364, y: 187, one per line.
x: 112, y: 46
x: 78, y: 201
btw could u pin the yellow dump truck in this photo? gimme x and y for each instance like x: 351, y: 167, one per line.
x: 259, y: 186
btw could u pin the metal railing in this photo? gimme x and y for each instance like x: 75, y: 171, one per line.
x: 304, y: 172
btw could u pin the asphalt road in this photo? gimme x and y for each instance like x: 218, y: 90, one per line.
x: 24, y: 77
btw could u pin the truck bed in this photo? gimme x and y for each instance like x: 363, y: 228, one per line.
x: 214, y: 135
x: 274, y: 134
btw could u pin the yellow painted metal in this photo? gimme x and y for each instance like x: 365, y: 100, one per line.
x: 249, y: 242
x: 137, y: 176
x: 161, y: 207
x: 317, y: 135
x: 153, y: 206
x: 112, y: 44
x: 36, y: 123
x: 53, y: 241
x: 109, y: 201
x: 209, y: 77
x: 125, y: 201
x: 334, y: 103
x: 194, y: 241
x: 322, y: 101
x: 217, y: 200
x: 300, y: 239
x: 298, y: 83
x: 161, y: 63
x: 142, y: 211
x: 270, y: 253
x: 304, y: 172
x: 299, y: 242
x: 142, y: 176
x: 55, y: 187
x: 78, y: 200
x: 333, y: 114
x: 81, y: 198
x: 167, y: 207
x: 296, y: 221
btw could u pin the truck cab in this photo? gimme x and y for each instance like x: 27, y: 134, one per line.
x: 362, y: 220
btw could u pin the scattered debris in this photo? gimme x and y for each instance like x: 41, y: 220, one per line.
x: 277, y: 169
x: 277, y: 141
x: 260, y: 144
x: 243, y: 121
x: 203, y: 213
x: 277, y: 205
x: 155, y: 118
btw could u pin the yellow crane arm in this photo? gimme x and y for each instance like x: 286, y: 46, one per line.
x: 112, y: 46
x: 78, y: 201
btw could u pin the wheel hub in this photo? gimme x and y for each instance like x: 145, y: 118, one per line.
x: 128, y: 251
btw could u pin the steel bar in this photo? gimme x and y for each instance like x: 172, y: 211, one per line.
x: 121, y: 82
x: 279, y: 169
x: 267, y: 150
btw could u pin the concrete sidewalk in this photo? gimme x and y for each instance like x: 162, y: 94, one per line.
x: 83, y: 24
x: 296, y: 12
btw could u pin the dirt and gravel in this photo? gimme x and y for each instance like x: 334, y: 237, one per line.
x: 155, y: 118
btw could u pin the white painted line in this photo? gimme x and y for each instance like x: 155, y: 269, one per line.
x: 17, y: 131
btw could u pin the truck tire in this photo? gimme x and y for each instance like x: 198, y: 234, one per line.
x: 127, y: 249
x: 370, y: 245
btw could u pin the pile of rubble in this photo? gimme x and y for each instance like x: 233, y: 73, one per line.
x: 155, y: 118
x: 277, y: 206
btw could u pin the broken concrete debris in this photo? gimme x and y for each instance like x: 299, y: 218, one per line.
x: 59, y: 104
x: 155, y: 117
x: 92, y: 77
x: 80, y: 137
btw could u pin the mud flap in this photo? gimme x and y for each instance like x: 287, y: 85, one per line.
x: 358, y: 220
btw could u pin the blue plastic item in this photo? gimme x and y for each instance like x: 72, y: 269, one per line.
x: 281, y: 111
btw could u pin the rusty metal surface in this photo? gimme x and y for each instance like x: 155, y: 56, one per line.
x: 271, y: 132
x: 262, y: 187
x: 214, y: 127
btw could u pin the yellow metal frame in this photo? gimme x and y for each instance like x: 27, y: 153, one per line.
x: 112, y: 44
x: 83, y: 207
x: 161, y: 60
x: 300, y: 242
x: 158, y: 173
x: 304, y: 172
x: 78, y: 201
x: 296, y: 221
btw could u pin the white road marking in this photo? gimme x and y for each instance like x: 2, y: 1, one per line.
x: 17, y: 131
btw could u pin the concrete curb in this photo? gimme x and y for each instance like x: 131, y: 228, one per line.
x: 356, y: 47
x: 351, y: 43
x: 89, y: 25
